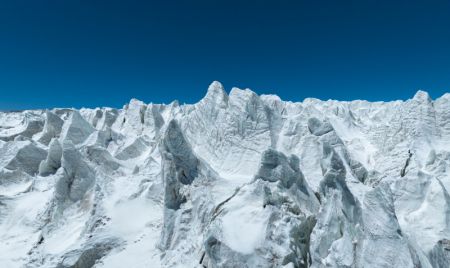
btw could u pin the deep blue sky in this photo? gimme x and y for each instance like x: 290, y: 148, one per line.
x: 102, y: 53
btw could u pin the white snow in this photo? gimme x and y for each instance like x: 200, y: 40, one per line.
x: 107, y: 206
x: 244, y: 226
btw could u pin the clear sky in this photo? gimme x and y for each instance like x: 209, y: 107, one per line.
x: 103, y: 53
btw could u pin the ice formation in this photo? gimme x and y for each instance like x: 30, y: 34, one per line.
x: 235, y: 180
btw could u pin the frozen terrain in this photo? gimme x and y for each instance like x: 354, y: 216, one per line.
x: 236, y: 180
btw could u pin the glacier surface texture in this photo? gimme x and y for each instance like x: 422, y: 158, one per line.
x: 235, y: 180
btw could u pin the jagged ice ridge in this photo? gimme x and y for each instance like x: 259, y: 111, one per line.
x: 236, y: 180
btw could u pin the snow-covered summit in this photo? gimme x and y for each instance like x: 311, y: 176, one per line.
x: 235, y: 180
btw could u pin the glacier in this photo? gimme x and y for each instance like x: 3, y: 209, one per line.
x: 235, y: 180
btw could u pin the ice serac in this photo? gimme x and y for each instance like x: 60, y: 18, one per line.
x: 234, y: 180
x: 440, y: 255
x: 332, y: 142
x: 187, y: 199
x: 423, y: 208
x: 22, y: 155
x: 180, y: 165
x: 339, y: 220
x: 76, y: 176
x: 383, y: 235
x: 225, y: 130
x: 76, y: 129
x: 319, y: 128
x: 53, y: 161
x: 52, y: 128
x: 16, y: 124
x: 266, y: 222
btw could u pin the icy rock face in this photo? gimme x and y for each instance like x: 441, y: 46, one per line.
x: 235, y: 180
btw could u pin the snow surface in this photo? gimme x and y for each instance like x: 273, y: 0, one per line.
x: 235, y: 180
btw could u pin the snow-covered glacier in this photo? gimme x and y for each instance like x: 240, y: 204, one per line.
x: 235, y: 180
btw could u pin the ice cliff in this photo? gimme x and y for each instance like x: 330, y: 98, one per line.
x: 235, y: 180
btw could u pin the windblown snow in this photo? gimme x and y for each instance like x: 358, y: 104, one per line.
x: 235, y: 180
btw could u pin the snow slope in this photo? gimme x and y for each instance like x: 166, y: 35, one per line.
x: 235, y: 180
